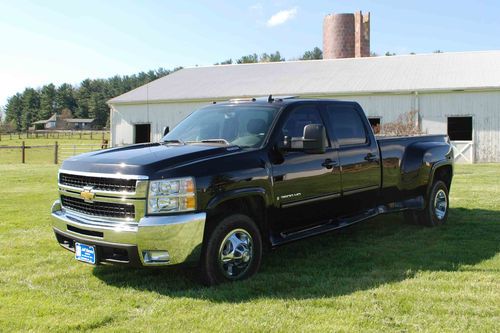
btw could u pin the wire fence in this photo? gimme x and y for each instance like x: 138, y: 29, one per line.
x: 55, y: 153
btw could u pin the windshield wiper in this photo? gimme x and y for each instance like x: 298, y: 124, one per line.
x: 174, y: 141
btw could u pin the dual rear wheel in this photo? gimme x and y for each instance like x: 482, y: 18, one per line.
x: 436, y: 210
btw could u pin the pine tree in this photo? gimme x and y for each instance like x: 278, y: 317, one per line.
x: 31, y: 107
x: 47, y: 101
x: 14, y: 111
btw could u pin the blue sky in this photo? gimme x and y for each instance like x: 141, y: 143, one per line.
x: 68, y: 41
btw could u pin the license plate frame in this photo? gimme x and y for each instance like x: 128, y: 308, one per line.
x: 85, y: 253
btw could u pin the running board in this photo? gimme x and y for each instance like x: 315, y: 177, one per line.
x: 333, y: 224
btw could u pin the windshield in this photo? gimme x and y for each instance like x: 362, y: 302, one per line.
x: 242, y: 125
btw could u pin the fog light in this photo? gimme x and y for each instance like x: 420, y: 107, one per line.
x: 155, y: 256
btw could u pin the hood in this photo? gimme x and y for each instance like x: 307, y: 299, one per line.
x: 143, y: 159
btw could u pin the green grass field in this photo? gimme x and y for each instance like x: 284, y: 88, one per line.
x: 381, y: 275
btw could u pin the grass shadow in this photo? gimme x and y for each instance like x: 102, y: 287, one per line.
x: 362, y: 257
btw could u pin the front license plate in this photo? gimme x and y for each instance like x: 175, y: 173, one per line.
x: 85, y: 253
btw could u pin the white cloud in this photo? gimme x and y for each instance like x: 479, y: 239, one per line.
x: 282, y: 16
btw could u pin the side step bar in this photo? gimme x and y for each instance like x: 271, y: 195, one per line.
x: 333, y: 224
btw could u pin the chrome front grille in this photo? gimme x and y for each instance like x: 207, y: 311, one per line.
x: 98, y: 183
x: 107, y: 198
x: 104, y: 209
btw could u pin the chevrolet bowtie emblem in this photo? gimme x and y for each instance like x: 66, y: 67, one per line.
x: 87, y: 195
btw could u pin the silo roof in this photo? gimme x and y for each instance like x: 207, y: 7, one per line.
x: 384, y: 74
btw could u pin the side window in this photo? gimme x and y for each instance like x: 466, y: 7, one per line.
x: 347, y: 125
x: 300, y: 117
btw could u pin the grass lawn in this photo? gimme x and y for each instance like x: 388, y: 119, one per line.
x: 381, y: 275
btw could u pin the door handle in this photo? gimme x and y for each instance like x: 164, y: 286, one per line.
x: 370, y: 157
x: 329, y: 163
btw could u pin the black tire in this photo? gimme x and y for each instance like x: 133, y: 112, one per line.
x: 436, y: 209
x: 220, y: 242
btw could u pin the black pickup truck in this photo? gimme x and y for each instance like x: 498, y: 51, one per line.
x: 238, y: 177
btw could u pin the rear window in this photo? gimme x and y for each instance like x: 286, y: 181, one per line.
x: 347, y: 125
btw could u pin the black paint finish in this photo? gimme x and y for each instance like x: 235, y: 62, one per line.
x: 293, y: 191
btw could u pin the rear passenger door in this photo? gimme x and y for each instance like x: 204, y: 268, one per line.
x: 358, y: 153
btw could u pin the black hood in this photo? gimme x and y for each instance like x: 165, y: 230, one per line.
x: 143, y: 159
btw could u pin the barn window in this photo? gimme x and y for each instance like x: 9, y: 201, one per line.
x: 375, y: 124
x: 460, y: 128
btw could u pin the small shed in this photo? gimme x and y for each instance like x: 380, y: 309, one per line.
x: 53, y: 123
x: 79, y: 123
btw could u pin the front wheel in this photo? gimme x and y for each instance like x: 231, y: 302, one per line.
x: 436, y: 209
x: 233, y: 251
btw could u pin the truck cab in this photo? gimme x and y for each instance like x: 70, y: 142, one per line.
x: 238, y: 177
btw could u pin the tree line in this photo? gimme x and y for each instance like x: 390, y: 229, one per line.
x: 88, y: 99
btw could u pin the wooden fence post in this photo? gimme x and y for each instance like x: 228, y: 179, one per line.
x: 90, y: 135
x: 19, y: 135
x: 23, y: 153
x: 56, y: 148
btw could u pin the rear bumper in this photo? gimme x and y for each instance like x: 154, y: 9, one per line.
x: 128, y: 243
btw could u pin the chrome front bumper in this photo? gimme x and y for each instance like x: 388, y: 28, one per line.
x: 180, y: 235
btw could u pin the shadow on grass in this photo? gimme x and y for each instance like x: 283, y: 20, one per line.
x: 365, y: 256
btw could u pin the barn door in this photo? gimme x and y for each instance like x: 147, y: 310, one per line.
x: 142, y: 133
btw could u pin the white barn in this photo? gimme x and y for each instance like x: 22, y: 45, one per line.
x: 453, y: 93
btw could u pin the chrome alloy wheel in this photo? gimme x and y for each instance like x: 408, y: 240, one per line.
x: 440, y: 204
x: 236, y: 253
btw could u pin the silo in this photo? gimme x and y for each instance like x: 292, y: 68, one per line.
x: 338, y: 36
x: 346, y: 35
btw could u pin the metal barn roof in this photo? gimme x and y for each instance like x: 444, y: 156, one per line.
x: 424, y: 72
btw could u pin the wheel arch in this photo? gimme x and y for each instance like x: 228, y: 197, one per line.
x: 442, y: 170
x: 253, y: 202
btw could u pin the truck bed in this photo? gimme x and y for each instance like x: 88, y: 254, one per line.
x: 401, y: 159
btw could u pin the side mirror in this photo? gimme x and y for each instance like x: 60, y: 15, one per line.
x: 166, y: 130
x: 313, y: 140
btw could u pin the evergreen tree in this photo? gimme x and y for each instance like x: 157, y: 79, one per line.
x: 31, y: 107
x: 65, y: 98
x: 14, y: 110
x: 248, y: 59
x: 316, y: 53
x: 273, y: 57
x: 47, y: 101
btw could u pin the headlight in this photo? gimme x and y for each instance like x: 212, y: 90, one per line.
x: 171, y: 196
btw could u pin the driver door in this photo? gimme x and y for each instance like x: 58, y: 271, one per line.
x: 305, y: 185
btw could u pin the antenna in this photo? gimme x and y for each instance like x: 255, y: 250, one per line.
x: 270, y: 99
x: 147, y: 101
